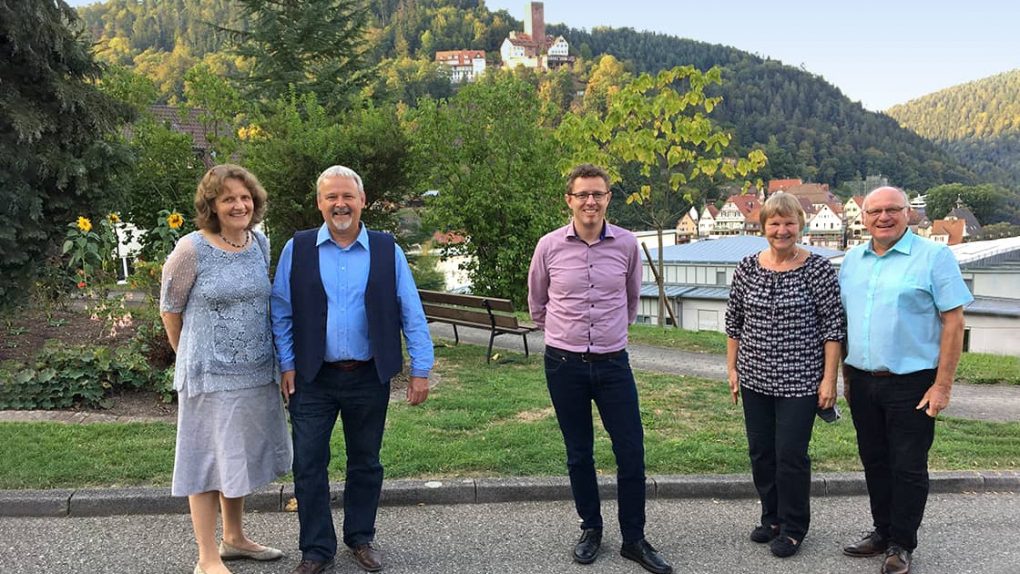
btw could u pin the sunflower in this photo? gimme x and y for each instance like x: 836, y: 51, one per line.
x: 84, y: 224
x: 175, y: 220
x: 114, y: 218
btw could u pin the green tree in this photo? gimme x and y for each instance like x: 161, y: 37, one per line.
x: 988, y: 202
x: 56, y: 135
x: 165, y: 173
x: 296, y: 138
x: 659, y: 127
x: 316, y: 46
x: 219, y: 106
x: 487, y: 154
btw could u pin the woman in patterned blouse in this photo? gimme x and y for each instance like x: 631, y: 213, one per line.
x: 785, y: 328
x: 231, y: 429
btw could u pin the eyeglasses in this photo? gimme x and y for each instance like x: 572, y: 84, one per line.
x: 889, y: 210
x: 584, y: 195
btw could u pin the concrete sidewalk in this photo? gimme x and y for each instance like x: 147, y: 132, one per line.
x: 280, y: 497
x: 961, y: 534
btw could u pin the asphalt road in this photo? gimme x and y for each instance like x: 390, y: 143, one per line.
x: 962, y: 533
x: 979, y: 402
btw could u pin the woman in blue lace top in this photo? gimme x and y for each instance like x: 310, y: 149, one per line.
x: 784, y: 327
x: 231, y: 431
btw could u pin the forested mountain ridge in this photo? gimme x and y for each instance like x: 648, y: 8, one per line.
x: 978, y: 122
x: 807, y: 127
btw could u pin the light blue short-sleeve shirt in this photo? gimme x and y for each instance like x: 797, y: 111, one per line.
x: 893, y: 303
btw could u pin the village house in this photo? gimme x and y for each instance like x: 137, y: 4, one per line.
x: 733, y: 218
x: 706, y: 222
x: 824, y: 227
x: 464, y: 65
x: 687, y: 227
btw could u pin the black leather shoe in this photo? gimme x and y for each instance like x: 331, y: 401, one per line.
x: 649, y: 558
x: 367, y: 557
x: 587, y: 547
x: 897, y: 561
x: 871, y: 545
x: 313, y: 567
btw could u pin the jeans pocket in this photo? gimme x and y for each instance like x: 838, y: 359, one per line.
x: 553, y: 362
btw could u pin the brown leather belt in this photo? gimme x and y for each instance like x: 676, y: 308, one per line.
x: 347, y: 365
x: 587, y: 357
x: 879, y: 373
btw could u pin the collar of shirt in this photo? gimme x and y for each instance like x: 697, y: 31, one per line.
x: 903, y: 245
x: 605, y: 233
x: 324, y: 236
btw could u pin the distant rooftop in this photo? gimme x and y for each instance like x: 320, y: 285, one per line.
x: 990, y: 251
x: 726, y: 250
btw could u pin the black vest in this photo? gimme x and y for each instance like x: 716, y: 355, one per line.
x: 308, y: 302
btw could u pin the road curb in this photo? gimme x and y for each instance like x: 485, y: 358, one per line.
x: 279, y: 497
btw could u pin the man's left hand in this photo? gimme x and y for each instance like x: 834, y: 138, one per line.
x: 417, y: 390
x: 936, y: 399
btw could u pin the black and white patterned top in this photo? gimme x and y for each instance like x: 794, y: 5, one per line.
x: 782, y: 320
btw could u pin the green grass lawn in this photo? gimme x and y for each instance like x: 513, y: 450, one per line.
x: 490, y: 420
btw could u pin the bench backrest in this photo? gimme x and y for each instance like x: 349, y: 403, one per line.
x: 469, y: 308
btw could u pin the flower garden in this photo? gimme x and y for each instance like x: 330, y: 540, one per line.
x: 90, y: 329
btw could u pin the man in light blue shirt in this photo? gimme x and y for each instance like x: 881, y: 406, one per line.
x: 904, y: 298
x: 342, y: 296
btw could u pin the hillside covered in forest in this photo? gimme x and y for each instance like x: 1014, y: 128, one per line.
x: 806, y: 126
x: 978, y: 122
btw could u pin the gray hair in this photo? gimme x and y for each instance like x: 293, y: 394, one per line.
x: 339, y: 171
x: 906, y: 200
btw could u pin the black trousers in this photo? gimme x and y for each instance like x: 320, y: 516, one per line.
x: 573, y: 385
x: 360, y: 400
x: 778, y: 434
x: 893, y: 439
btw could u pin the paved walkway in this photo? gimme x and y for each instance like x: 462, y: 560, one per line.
x: 961, y: 533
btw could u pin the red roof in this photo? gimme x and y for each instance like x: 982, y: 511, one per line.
x: 459, y: 57
x: 782, y: 184
x: 443, y: 238
x: 951, y: 227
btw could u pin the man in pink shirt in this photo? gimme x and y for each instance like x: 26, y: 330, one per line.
x: 583, y: 288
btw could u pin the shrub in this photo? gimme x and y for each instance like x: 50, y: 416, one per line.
x: 64, y: 377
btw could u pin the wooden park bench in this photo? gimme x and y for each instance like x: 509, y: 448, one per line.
x: 495, y: 315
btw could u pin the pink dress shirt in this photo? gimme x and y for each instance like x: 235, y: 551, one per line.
x: 584, y: 296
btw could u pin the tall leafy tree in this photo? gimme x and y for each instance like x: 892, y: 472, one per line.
x: 493, y: 164
x: 296, y: 138
x: 54, y: 125
x: 657, y: 128
x: 314, y: 46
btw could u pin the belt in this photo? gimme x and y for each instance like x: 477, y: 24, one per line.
x: 347, y: 365
x: 588, y: 357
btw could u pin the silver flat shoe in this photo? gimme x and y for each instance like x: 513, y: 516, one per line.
x: 228, y: 552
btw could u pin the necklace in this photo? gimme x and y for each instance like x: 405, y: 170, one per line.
x: 247, y: 239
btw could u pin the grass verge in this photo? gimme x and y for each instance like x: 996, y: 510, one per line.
x: 490, y: 420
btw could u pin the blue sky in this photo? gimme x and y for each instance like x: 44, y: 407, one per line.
x: 880, y: 53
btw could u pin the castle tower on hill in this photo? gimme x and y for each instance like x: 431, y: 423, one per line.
x: 534, y: 26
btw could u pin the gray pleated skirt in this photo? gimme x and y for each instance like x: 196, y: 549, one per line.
x: 231, y: 441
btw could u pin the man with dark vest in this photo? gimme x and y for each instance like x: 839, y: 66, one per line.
x: 341, y: 297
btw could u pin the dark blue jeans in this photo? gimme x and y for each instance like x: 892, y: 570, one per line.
x: 360, y: 400
x: 778, y: 433
x: 893, y: 439
x: 573, y: 385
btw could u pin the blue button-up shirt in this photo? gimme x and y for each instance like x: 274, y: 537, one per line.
x: 893, y: 303
x: 344, y: 272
